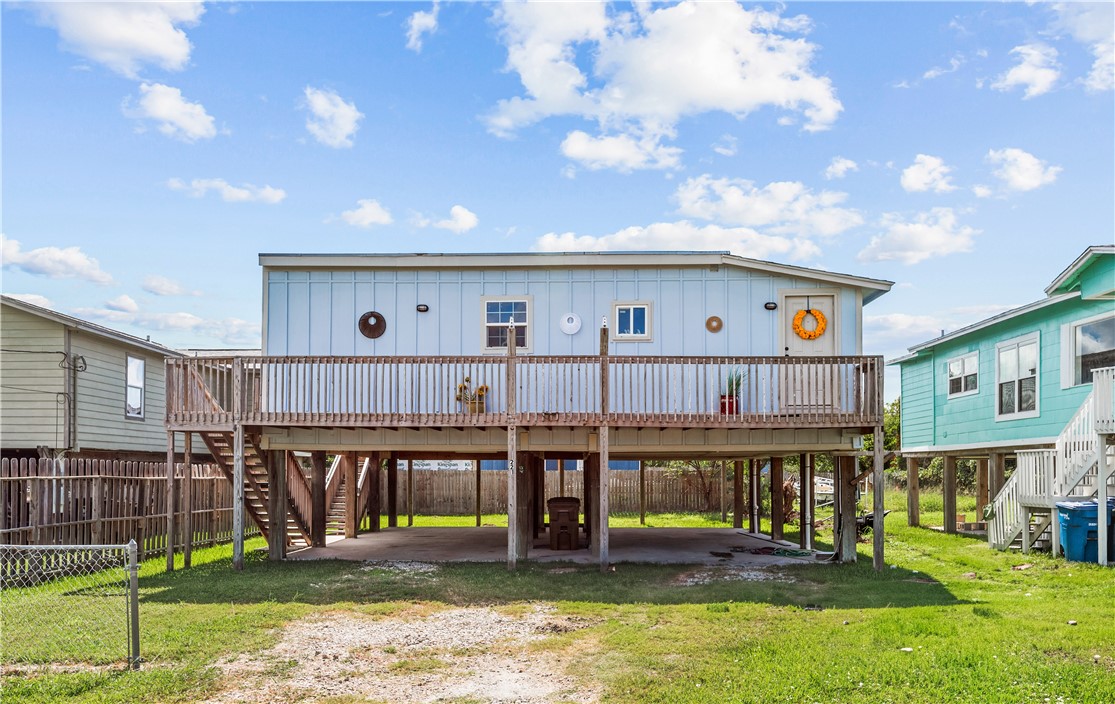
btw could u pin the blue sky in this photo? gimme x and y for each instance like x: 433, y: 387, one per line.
x: 150, y: 151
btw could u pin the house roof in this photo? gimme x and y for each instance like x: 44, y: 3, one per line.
x: 1070, y: 277
x: 86, y: 326
x: 872, y: 288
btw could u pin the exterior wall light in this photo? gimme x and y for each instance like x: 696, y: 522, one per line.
x: 770, y: 305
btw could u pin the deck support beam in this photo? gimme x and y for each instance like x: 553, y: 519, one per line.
x: 276, y: 504
x: 479, y: 508
x: 754, y: 504
x: 737, y: 493
x: 352, y: 494
x: 187, y: 498
x: 948, y: 488
x: 318, y: 508
x: 643, y: 495
x: 805, y: 501
x: 238, y: 497
x: 777, y: 497
x: 996, y: 465
x: 393, y: 490
x: 982, y: 486
x: 913, y: 493
x: 170, y: 495
x: 878, y: 505
x: 603, y: 483
x: 846, y: 513
x: 373, y: 491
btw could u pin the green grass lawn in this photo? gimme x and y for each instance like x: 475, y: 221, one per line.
x: 976, y: 629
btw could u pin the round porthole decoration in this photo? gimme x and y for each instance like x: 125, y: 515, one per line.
x: 570, y: 323
x: 714, y: 324
x: 372, y: 325
x: 818, y: 329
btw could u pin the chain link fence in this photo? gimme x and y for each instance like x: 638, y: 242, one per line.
x: 69, y: 604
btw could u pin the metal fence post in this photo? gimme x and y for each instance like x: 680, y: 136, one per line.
x: 133, y: 604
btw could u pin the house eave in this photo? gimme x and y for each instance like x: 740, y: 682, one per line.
x: 1067, y: 276
x: 988, y: 322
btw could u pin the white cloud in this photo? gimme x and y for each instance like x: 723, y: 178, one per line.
x: 1020, y: 170
x: 1092, y: 24
x: 931, y: 234
x: 125, y: 35
x: 1037, y: 70
x: 419, y: 24
x: 332, y: 121
x: 683, y: 235
x: 177, y: 117
x: 651, y: 68
x: 32, y: 298
x: 981, y: 191
x: 52, y: 262
x: 839, y: 167
x: 889, y: 326
x: 927, y: 173
x: 936, y: 72
x: 246, y: 193
x: 784, y: 207
x: 620, y: 152
x: 727, y: 145
x: 367, y: 212
x: 123, y: 303
x: 230, y: 331
x: 460, y: 220
x: 162, y: 286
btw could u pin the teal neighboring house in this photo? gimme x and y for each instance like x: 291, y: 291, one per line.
x: 1034, y: 384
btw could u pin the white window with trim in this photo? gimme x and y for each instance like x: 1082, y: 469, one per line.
x: 498, y: 314
x: 1086, y: 345
x: 135, y: 387
x: 963, y: 374
x: 1017, y: 378
x: 632, y: 321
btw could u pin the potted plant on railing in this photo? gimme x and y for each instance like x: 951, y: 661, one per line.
x: 729, y: 399
x: 471, y: 399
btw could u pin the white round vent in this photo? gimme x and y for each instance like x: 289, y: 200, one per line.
x: 570, y: 323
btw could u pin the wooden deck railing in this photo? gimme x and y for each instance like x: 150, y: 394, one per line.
x: 548, y: 390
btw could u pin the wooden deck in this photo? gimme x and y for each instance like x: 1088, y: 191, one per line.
x: 418, y: 392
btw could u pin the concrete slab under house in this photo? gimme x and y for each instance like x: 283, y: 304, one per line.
x: 527, y: 358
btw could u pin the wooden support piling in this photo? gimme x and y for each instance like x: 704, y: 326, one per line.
x: 913, y: 493
x: 238, y: 497
x: 276, y: 504
x: 805, y: 501
x: 723, y: 491
x: 187, y: 498
x: 374, y: 474
x: 737, y: 494
x: 948, y: 487
x: 317, y: 499
x: 777, y: 508
x: 982, y: 485
x: 754, y: 517
x: 170, y: 495
x: 479, y: 507
x: 393, y: 490
x: 878, y: 504
x: 352, y: 494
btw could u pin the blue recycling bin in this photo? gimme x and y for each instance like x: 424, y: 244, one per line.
x: 1079, y: 524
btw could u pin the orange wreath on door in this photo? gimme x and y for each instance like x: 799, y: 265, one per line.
x: 818, y: 329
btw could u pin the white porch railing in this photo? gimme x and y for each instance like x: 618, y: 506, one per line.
x: 1103, y: 388
x: 1008, y: 517
x: 1076, y: 449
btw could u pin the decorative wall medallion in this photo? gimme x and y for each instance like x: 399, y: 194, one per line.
x: 570, y: 323
x: 714, y: 324
x: 372, y: 325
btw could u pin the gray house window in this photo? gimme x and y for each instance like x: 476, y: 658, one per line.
x: 1016, y: 372
x: 964, y: 375
x: 498, y: 312
x: 135, y: 387
x: 1094, y: 348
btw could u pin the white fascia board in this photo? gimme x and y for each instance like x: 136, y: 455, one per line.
x: 91, y: 328
x: 1077, y: 265
x: 995, y: 320
x: 975, y: 447
x: 900, y: 360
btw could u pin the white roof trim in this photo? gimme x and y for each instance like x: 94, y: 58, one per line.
x: 875, y: 287
x: 994, y: 320
x: 1075, y: 267
x: 86, y: 326
x: 975, y: 447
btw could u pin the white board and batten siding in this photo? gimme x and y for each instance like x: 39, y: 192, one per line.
x: 32, y: 385
x: 313, y: 309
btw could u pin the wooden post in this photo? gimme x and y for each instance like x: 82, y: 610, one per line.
x: 777, y: 510
x: 995, y: 470
x: 754, y: 523
x: 512, y: 454
x: 592, y: 513
x: 276, y: 504
x: 479, y: 508
x: 187, y: 498
x: 913, y: 493
x: 317, y: 499
x: 805, y: 501
x: 737, y: 494
x: 410, y: 493
x: 603, y: 478
x: 642, y: 494
x: 393, y: 490
x: 522, y: 504
x: 981, y: 486
x: 1102, y: 474
x: 847, y: 513
x: 238, y: 497
x: 878, y: 496
x: 948, y: 487
x: 540, y: 496
x: 374, y: 500
x: 352, y: 494
x: 561, y: 477
x: 98, y: 527
x: 723, y: 490
x: 170, y: 494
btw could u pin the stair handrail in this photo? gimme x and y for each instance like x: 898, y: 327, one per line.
x: 365, y: 489
x: 298, y: 491
x: 1007, y: 515
x: 333, y: 481
x: 1075, y: 449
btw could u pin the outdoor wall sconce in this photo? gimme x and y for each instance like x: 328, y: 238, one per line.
x: 770, y: 305
x: 423, y: 308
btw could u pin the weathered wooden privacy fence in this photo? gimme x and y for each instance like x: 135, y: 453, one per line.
x: 96, y: 502
x: 212, y: 392
x: 453, y: 493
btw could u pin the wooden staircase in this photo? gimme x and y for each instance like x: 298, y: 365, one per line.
x: 256, y: 484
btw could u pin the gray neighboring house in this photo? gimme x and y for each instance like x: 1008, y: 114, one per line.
x: 74, y: 388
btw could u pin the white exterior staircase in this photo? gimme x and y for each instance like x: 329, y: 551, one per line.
x: 1024, y: 511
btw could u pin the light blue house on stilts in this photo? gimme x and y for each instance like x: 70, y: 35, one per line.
x: 1034, y: 384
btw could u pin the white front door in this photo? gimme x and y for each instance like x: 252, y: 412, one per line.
x: 794, y: 344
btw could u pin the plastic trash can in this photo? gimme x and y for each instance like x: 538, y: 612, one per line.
x: 1079, y: 524
x: 565, y: 521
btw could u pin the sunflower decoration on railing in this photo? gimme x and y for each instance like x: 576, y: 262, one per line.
x: 472, y: 399
x: 818, y: 329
